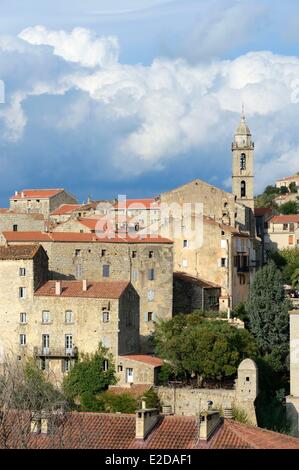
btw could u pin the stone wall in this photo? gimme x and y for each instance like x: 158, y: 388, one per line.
x: 23, y: 222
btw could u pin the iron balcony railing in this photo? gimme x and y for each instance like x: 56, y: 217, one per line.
x: 55, y: 352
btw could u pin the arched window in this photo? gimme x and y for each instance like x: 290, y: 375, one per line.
x: 243, y: 161
x: 243, y: 189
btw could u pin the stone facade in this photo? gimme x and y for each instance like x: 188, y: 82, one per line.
x: 42, y: 201
x: 192, y: 401
x: 148, y: 265
x: 191, y: 293
x: 11, y: 221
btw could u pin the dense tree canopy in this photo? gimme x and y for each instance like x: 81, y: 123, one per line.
x: 268, y: 309
x: 290, y: 207
x: 209, y: 349
x: 287, y: 260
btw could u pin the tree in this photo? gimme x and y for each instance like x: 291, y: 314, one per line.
x: 295, y: 279
x: 207, y: 349
x: 284, y: 190
x: 268, y: 309
x: 287, y: 260
x: 25, y: 394
x: 89, y: 377
x: 290, y: 207
x: 293, y: 187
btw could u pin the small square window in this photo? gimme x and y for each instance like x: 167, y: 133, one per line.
x: 22, y: 272
x: 223, y: 262
x: 105, y: 365
x: 103, y: 253
x: 151, y: 274
x: 119, y: 368
x: 134, y: 254
x: 151, y: 254
x: 69, y: 318
x: 46, y: 316
x: 77, y: 252
x: 247, y: 379
x: 186, y: 244
x: 185, y: 263
x: 15, y: 228
x: 150, y: 316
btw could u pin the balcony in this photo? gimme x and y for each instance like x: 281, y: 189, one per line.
x: 55, y: 352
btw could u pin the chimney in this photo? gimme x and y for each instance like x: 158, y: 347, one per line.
x: 16, y: 193
x: 146, y: 420
x: 84, y: 285
x: 209, y: 421
x: 58, y: 288
x: 22, y: 194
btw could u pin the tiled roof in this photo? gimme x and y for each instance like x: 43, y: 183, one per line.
x: 146, y: 359
x: 3, y: 210
x: 81, y: 237
x: 292, y: 178
x: 132, y: 204
x: 117, y: 431
x: 99, y: 290
x: 284, y: 219
x: 195, y: 280
x: 94, y: 224
x: 18, y: 252
x: 65, y: 209
x: 36, y: 193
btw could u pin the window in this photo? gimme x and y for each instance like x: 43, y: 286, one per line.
x: 223, y: 262
x: 285, y: 226
x: 105, y: 365
x: 46, y: 344
x: 151, y: 274
x: 69, y: 318
x: 106, y: 270
x: 134, y: 254
x: 243, y: 162
x: 186, y: 244
x: 291, y: 240
x: 150, y: 316
x: 44, y: 363
x: 66, y: 365
x: 292, y: 227
x: 103, y: 253
x: 77, y: 252
x: 22, y: 272
x: 134, y: 274
x: 243, y: 189
x: 15, y: 228
x: 23, y: 318
x: 151, y: 254
x: 68, y: 343
x: 46, y: 316
x: 185, y: 263
x: 150, y: 295
x: 22, y: 292
x: 79, y: 270
x: 22, y: 340
x: 119, y: 368
x: 105, y: 316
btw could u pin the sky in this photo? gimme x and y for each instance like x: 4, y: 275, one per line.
x: 135, y: 97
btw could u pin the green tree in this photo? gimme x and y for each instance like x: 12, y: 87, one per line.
x: 290, y: 207
x: 207, y: 349
x: 287, y: 260
x: 295, y: 279
x: 293, y: 187
x: 88, y: 378
x: 284, y: 190
x: 268, y: 309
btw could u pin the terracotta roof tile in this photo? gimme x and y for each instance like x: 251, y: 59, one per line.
x: 100, y: 290
x: 81, y: 237
x: 65, y: 209
x: 146, y: 359
x: 284, y: 219
x: 18, y: 252
x: 37, y: 193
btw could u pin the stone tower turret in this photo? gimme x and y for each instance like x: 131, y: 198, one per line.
x: 242, y: 171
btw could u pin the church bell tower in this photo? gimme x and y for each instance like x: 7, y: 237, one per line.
x: 243, y: 172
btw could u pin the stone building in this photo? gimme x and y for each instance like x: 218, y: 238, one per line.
x: 53, y: 321
x: 282, y: 232
x: 191, y: 293
x: 146, y: 262
x: 21, y: 222
x: 41, y: 201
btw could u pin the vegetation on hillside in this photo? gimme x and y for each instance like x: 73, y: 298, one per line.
x: 287, y: 261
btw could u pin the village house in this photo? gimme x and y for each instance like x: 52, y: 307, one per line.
x: 146, y: 262
x: 282, y: 232
x: 41, y: 201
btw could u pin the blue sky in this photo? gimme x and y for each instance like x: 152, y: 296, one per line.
x: 138, y: 96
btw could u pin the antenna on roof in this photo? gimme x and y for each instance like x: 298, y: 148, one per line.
x: 243, y: 111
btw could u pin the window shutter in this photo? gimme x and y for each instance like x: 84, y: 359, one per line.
x: 154, y: 316
x: 145, y: 317
x: 219, y: 262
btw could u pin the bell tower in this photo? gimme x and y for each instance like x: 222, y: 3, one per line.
x: 243, y: 173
